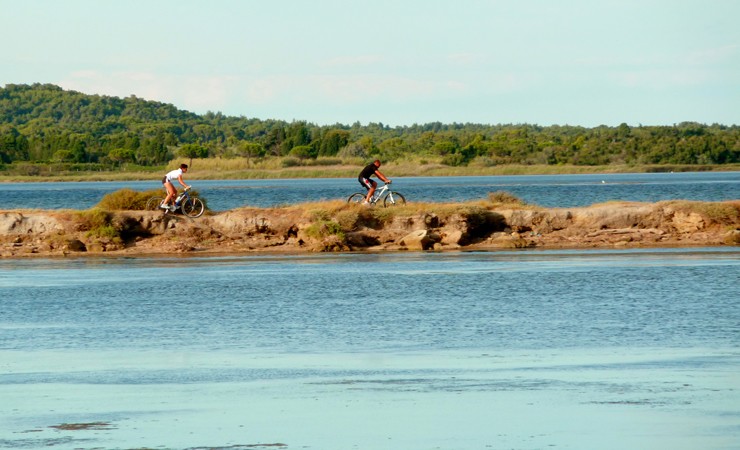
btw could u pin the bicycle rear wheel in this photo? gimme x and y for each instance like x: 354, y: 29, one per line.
x: 153, y: 203
x: 394, y: 199
x: 356, y: 198
x: 193, y: 207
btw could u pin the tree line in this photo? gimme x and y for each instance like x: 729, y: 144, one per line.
x: 43, y: 123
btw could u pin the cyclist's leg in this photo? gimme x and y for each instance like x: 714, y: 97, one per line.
x: 364, y: 182
x: 370, y: 190
x: 171, y: 193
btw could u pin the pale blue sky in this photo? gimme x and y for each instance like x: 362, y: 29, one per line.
x: 399, y: 62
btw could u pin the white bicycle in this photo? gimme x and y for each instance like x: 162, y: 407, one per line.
x: 390, y: 198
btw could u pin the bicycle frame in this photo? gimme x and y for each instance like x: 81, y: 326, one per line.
x: 181, y: 197
x: 389, y: 197
x: 190, y: 206
x: 378, y: 194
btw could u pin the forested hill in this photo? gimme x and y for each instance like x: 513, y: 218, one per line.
x: 44, y: 123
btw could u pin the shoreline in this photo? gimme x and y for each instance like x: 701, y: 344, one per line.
x: 337, y: 227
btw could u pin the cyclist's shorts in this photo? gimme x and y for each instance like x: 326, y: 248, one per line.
x: 366, y: 182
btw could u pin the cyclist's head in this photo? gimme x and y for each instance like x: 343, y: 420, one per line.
x: 184, y: 166
x: 377, y: 163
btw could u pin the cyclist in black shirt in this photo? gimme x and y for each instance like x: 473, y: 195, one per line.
x: 367, y: 183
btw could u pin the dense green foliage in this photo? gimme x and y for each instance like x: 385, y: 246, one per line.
x: 43, y: 123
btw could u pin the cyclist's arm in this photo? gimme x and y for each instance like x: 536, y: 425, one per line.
x: 179, y: 180
x: 382, y: 177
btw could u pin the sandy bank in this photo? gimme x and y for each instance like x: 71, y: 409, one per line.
x: 335, y: 226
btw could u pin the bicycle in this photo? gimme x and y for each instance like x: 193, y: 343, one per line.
x: 190, y: 206
x: 390, y: 198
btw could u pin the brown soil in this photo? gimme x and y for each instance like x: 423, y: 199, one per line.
x: 83, y: 426
x: 332, y: 228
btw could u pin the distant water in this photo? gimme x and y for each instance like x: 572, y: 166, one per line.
x: 543, y: 190
x: 609, y: 349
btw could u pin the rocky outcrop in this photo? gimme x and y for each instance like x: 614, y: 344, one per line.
x: 341, y: 227
x: 14, y: 223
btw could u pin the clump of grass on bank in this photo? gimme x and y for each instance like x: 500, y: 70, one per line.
x: 127, y: 200
x: 97, y: 224
x: 130, y: 200
x: 726, y: 213
x: 499, y: 198
x: 323, y: 225
x: 348, y: 219
x: 324, y: 228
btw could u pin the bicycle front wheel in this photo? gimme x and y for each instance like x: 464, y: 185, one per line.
x: 394, y: 199
x: 193, y: 207
x: 356, y: 198
x: 153, y: 203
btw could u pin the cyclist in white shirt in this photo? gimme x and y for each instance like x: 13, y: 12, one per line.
x: 168, y: 181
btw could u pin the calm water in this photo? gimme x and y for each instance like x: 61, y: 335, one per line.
x: 543, y: 190
x: 635, y: 349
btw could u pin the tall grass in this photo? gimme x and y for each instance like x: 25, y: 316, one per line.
x: 331, y: 167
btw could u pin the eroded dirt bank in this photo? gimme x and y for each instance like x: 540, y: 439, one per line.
x: 340, y: 227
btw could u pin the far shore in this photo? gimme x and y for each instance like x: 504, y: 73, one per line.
x: 219, y: 170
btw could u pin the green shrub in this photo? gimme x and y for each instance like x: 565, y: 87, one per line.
x: 505, y: 198
x: 290, y: 162
x: 383, y: 215
x: 454, y: 159
x: 301, y: 152
x: 319, y: 215
x: 97, y: 223
x: 92, y: 218
x: 104, y: 232
x: 347, y: 219
x: 130, y: 200
x: 127, y: 200
x: 324, y: 228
